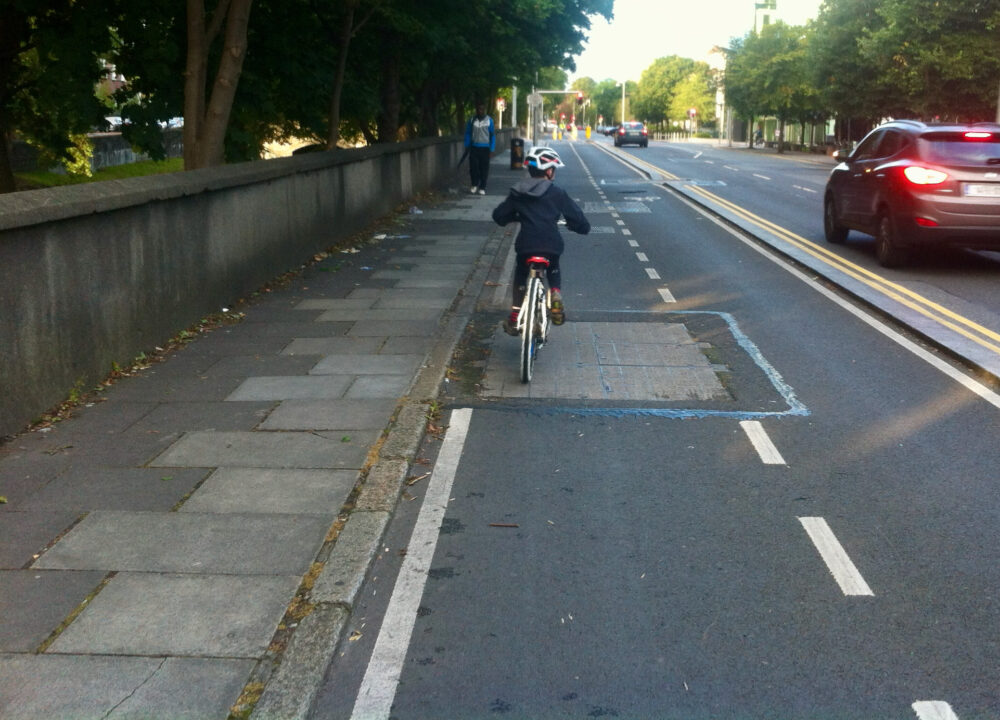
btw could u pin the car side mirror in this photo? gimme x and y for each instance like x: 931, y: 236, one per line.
x: 843, y: 155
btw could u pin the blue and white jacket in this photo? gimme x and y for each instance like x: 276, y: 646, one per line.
x: 479, y: 132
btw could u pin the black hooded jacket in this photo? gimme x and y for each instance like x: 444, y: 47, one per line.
x: 537, y: 203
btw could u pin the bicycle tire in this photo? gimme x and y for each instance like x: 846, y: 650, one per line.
x: 528, y: 327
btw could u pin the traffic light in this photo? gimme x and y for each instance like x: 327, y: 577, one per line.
x: 579, y: 98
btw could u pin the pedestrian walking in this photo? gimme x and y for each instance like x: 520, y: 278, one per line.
x: 480, y: 140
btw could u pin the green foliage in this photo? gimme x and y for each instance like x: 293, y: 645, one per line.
x: 695, y: 90
x: 49, y: 66
x: 658, y: 87
x: 943, y: 58
x: 117, y: 172
x: 74, y: 156
x: 870, y: 59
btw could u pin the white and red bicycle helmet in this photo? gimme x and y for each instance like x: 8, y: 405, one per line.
x: 543, y: 158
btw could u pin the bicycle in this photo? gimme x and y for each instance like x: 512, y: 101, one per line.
x: 533, y: 318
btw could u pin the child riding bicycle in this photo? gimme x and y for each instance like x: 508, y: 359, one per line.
x: 537, y: 203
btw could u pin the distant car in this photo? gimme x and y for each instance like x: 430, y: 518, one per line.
x: 610, y: 130
x: 632, y: 133
x: 915, y: 185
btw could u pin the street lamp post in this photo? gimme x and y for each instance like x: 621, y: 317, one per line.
x: 622, y: 83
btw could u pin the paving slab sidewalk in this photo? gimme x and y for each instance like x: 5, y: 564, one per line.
x: 152, y: 544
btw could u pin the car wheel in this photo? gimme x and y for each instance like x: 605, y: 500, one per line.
x: 887, y: 247
x: 834, y: 231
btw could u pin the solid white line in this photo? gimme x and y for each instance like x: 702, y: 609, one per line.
x: 835, y: 557
x: 934, y: 710
x: 961, y: 378
x: 667, y: 296
x: 378, y: 688
x: 762, y: 443
x: 653, y: 275
x: 642, y: 257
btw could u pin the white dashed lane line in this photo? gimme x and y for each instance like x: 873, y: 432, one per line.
x: 934, y: 710
x: 769, y: 454
x: 831, y: 551
x: 835, y: 557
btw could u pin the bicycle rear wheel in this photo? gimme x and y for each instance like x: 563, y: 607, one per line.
x: 529, y: 330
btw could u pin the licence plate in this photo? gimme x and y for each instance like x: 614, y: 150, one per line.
x: 982, y: 189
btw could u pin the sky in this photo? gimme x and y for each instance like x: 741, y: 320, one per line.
x: 644, y: 30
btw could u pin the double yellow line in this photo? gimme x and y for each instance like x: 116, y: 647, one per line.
x: 918, y: 303
x: 963, y: 326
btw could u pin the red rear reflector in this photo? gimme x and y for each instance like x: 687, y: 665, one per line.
x: 978, y: 135
x: 925, y: 222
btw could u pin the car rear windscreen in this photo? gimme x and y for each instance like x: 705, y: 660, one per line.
x: 965, y: 148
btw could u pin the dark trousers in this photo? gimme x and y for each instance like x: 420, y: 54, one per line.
x: 479, y: 166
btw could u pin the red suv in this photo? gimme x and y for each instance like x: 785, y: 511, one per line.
x: 917, y: 185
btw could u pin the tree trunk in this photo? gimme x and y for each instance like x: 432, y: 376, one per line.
x: 7, y: 183
x: 388, y: 118
x: 346, y: 32
x: 459, y: 116
x: 204, y: 142
x: 10, y: 24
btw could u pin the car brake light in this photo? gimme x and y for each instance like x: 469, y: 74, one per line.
x: 621, y: 131
x: 924, y: 176
x: 978, y: 135
x: 925, y: 222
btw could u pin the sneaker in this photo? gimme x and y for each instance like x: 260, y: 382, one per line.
x: 510, y: 324
x: 473, y: 189
x: 481, y: 191
x: 556, y: 308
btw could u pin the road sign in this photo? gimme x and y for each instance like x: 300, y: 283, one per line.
x: 534, y: 99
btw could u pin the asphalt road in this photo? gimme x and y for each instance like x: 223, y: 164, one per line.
x: 793, y: 516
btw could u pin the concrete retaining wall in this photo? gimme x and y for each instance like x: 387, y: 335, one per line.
x: 96, y: 274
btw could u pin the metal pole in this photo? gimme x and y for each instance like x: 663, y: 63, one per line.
x: 513, y: 112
